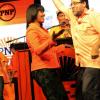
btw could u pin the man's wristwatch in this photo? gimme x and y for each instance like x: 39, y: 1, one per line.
x: 94, y: 56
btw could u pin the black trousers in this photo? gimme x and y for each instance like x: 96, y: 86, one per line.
x: 89, y: 84
x: 1, y: 87
x: 79, y: 84
x: 50, y: 83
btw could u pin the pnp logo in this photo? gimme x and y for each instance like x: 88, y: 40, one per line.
x: 7, y: 12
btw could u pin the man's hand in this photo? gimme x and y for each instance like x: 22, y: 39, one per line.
x: 94, y: 56
x: 55, y: 35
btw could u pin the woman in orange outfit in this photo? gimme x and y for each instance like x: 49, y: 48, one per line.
x: 6, y: 92
x: 44, y: 64
x: 3, y: 73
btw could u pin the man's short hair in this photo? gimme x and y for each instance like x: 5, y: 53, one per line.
x: 87, y: 4
x: 83, y: 0
x: 59, y: 12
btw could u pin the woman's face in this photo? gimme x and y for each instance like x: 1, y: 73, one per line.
x: 40, y: 17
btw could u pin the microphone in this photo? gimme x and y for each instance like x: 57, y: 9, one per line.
x: 53, y: 26
x: 61, y: 24
x: 66, y: 22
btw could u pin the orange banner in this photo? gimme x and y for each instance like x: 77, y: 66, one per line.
x: 13, y: 11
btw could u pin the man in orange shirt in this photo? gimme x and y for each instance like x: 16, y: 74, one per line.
x: 63, y: 24
x: 64, y: 38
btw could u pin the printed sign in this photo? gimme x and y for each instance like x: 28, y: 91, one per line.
x: 13, y: 11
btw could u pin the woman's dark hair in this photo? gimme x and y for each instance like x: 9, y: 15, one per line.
x: 87, y: 4
x: 32, y: 11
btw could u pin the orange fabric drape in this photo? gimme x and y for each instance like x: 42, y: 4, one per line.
x: 38, y: 94
x: 9, y: 92
x: 21, y: 65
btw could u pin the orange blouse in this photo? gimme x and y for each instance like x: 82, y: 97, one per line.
x: 44, y: 55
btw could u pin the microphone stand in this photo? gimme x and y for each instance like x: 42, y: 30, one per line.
x: 52, y: 26
x: 56, y: 25
x: 15, y: 39
x: 25, y: 36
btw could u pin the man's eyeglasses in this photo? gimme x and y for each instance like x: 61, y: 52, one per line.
x: 75, y: 3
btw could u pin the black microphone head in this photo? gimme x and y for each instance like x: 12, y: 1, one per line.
x: 63, y: 23
x: 66, y: 22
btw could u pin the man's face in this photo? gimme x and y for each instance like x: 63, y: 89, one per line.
x: 61, y: 17
x: 78, y: 7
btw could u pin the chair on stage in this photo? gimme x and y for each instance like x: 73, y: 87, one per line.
x: 68, y: 71
x: 68, y: 68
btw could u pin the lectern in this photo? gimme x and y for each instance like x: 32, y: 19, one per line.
x: 21, y: 64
